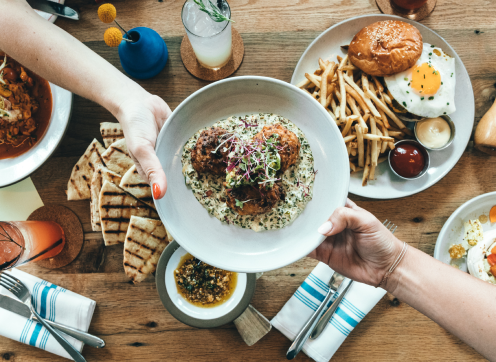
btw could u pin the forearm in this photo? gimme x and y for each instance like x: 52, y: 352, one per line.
x: 60, y: 58
x: 460, y: 303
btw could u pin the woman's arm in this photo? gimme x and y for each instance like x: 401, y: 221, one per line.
x: 361, y: 248
x: 62, y: 59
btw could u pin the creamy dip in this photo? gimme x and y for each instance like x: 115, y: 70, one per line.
x: 433, y: 132
x: 297, y: 181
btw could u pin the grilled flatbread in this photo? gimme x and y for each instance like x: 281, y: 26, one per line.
x: 136, y: 186
x: 117, y: 158
x: 116, y: 208
x: 145, y: 241
x: 101, y: 175
x: 111, y: 132
x: 78, y: 187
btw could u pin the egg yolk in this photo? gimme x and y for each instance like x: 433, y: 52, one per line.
x: 425, y: 79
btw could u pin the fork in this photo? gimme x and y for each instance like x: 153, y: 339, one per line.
x: 16, y: 287
x: 324, y: 320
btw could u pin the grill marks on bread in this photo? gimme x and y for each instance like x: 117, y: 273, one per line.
x: 145, y: 241
x: 116, y: 209
x: 111, y: 132
x: 79, y: 185
x: 101, y: 175
x: 136, y: 186
x: 117, y: 157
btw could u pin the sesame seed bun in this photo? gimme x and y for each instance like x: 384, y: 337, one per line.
x: 386, y: 47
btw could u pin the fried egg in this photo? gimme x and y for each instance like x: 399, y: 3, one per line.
x: 428, y: 88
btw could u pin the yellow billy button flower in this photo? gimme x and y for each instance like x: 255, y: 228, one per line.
x: 112, y: 37
x: 107, y: 13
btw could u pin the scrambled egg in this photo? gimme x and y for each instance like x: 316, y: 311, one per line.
x: 473, y: 234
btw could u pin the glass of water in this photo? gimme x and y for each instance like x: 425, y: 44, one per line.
x: 211, y: 40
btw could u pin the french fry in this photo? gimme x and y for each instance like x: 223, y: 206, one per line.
x: 358, y: 169
x: 314, y: 79
x: 384, y: 118
x: 367, y: 101
x: 349, y: 138
x: 343, y: 62
x: 348, y: 149
x: 352, y: 166
x: 323, y: 64
x: 396, y: 134
x: 373, y: 147
x: 357, y: 113
x: 365, y: 82
x: 353, y: 151
x: 349, y: 67
x: 324, y: 83
x: 303, y: 83
x: 342, y: 95
x: 366, y: 170
x: 359, y: 135
x: 374, y: 137
x: 357, y: 97
x: 347, y: 127
x: 386, y: 110
x: 378, y: 84
x: 384, y: 144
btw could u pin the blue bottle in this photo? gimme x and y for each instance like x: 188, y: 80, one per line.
x: 147, y: 56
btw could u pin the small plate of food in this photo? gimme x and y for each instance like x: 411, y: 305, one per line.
x: 467, y: 240
x: 34, y: 115
x: 199, y: 294
x: 384, y: 79
x: 254, y: 166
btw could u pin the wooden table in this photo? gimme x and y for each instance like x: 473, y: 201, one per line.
x: 131, y: 317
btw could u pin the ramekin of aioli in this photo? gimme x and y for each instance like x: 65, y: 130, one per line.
x: 435, y: 133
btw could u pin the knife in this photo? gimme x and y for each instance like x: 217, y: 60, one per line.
x: 54, y: 8
x: 23, y: 310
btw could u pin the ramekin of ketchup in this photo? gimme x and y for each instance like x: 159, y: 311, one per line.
x: 409, y: 160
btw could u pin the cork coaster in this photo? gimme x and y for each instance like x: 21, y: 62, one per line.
x: 189, y: 60
x: 417, y: 15
x: 73, y: 231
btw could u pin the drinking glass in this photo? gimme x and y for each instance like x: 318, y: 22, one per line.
x: 408, y: 5
x: 211, y: 41
x: 24, y: 241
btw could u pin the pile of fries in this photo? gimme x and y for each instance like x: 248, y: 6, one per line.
x: 361, y: 108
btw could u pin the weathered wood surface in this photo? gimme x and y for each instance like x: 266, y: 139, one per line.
x: 131, y: 318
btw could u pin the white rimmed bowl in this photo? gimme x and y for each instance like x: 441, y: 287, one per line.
x: 17, y: 168
x: 227, y: 246
x: 452, y: 231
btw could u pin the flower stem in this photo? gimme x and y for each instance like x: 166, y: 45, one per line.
x: 124, y: 30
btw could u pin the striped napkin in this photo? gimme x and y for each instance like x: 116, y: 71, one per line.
x: 359, y: 300
x: 52, y: 302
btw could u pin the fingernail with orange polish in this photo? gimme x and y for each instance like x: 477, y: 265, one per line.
x: 156, y: 191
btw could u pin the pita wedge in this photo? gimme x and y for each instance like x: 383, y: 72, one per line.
x: 116, y: 209
x: 101, y: 175
x: 136, y: 186
x: 145, y: 241
x: 111, y: 132
x: 117, y: 158
x: 78, y: 187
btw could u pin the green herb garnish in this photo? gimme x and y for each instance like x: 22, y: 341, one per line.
x: 214, y: 13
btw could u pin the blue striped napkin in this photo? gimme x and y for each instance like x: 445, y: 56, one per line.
x: 359, y: 300
x: 51, y: 302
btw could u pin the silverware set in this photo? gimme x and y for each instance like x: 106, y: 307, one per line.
x: 25, y: 308
x: 321, y: 317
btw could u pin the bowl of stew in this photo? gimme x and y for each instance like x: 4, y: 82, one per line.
x: 34, y: 115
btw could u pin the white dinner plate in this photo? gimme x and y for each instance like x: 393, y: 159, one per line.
x: 387, y: 185
x: 452, y: 231
x: 227, y: 246
x: 15, y: 169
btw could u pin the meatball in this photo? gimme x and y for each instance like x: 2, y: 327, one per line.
x: 203, y: 157
x: 287, y: 139
x: 256, y: 201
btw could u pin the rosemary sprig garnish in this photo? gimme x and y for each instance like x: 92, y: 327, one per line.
x: 214, y: 13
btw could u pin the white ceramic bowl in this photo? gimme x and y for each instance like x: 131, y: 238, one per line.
x: 452, y: 231
x: 227, y: 246
x: 15, y: 169
x: 192, y: 310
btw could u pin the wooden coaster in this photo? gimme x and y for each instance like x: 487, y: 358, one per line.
x: 189, y: 60
x: 417, y: 15
x: 73, y: 231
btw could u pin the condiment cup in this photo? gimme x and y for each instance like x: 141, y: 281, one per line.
x: 452, y: 137
x: 424, y: 153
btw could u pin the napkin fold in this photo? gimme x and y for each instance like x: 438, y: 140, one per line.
x: 359, y: 300
x: 52, y: 302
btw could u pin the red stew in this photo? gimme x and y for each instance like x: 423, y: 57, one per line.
x: 407, y: 160
x: 25, y: 108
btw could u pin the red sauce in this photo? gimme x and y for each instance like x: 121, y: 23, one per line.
x: 407, y: 160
